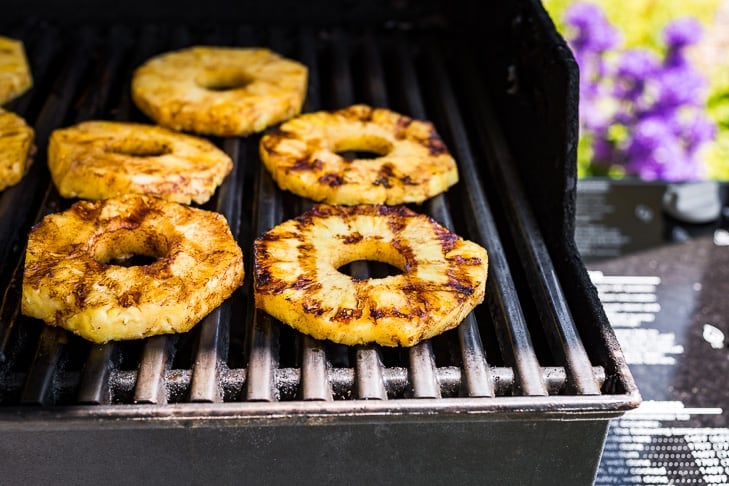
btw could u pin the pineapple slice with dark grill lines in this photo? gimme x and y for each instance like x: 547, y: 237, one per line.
x: 359, y: 155
x: 297, y: 277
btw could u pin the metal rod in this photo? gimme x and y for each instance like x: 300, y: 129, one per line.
x: 213, y: 329
x: 397, y: 380
x: 39, y: 382
x: 314, y: 368
x: 478, y: 379
x: 150, y: 387
x: 262, y: 360
x: 423, y: 373
x: 543, y: 281
x: 314, y: 373
x: 94, y: 385
x: 501, y: 291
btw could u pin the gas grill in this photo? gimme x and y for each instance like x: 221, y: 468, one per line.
x: 521, y: 392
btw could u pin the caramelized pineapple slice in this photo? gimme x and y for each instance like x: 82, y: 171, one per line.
x: 75, y: 273
x: 221, y: 91
x: 103, y: 159
x: 297, y: 277
x: 406, y: 161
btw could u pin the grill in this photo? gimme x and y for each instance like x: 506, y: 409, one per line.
x: 521, y: 392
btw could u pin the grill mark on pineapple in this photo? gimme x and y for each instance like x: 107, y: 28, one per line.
x: 393, y: 312
x: 461, y: 260
x: 408, y: 254
x: 401, y: 126
x: 460, y: 284
x: 406, y: 180
x: 435, y: 144
x: 267, y: 283
x: 130, y: 299
x: 447, y: 239
x: 305, y: 283
x: 313, y: 306
x: 383, y: 175
x: 307, y: 164
x: 331, y: 179
x: 86, y: 210
x: 346, y: 314
x: 351, y: 238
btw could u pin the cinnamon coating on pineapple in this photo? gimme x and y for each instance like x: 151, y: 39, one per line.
x: 75, y: 276
x: 223, y: 91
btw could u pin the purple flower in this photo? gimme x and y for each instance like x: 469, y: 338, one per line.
x: 593, y: 32
x: 678, y: 35
x: 655, y: 153
x: 635, y: 68
x: 641, y: 112
x: 679, y: 87
x: 697, y: 130
x: 682, y: 32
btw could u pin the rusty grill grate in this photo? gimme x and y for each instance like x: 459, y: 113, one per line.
x: 522, y: 348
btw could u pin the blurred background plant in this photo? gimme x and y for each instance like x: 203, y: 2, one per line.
x: 654, y: 86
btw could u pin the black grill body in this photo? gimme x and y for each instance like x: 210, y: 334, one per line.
x: 521, y: 393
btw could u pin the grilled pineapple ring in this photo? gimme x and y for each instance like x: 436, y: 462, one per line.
x: 102, y: 159
x: 16, y: 144
x: 305, y: 157
x: 222, y: 91
x: 15, y: 77
x: 296, y: 278
x: 73, y: 277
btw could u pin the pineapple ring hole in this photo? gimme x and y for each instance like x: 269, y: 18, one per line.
x: 142, y: 148
x: 383, y: 260
x: 129, y: 248
x: 375, y: 269
x: 362, y: 147
x: 223, y: 80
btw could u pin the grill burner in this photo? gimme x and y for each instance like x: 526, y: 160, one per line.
x: 518, y: 360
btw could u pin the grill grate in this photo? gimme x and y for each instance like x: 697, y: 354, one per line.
x: 522, y: 343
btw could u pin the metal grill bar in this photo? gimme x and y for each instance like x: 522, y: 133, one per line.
x: 39, y: 383
x: 262, y: 361
x: 94, y: 385
x: 151, y: 386
x: 213, y: 329
x: 477, y: 374
x: 560, y: 327
x: 314, y: 373
x: 314, y: 366
x: 514, y: 335
x: 368, y: 363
